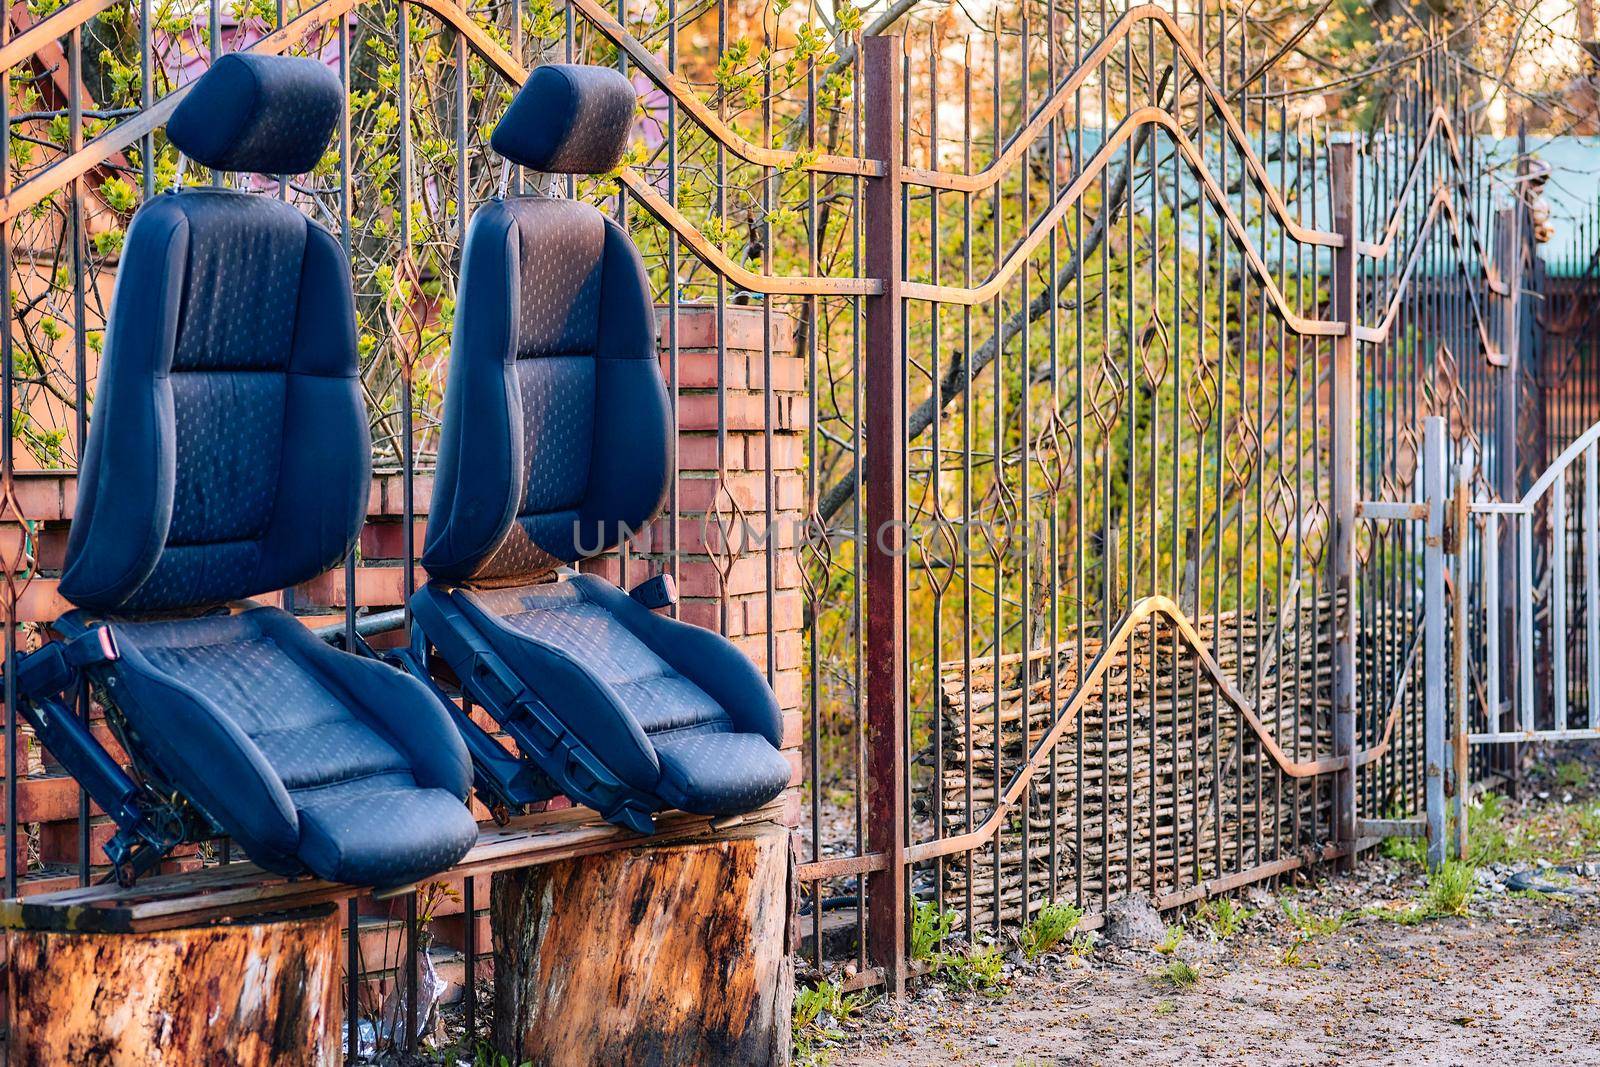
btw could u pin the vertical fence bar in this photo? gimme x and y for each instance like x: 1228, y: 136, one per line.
x: 1461, y: 534
x: 1558, y: 595
x: 9, y: 592
x: 1525, y: 620
x: 352, y: 916
x: 885, y: 506
x: 1494, y: 713
x: 1508, y: 257
x: 1433, y: 649
x: 1591, y: 581
x: 1342, y: 162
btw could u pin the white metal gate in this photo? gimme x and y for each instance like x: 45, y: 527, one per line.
x: 1511, y: 627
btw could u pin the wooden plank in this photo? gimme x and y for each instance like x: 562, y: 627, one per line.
x: 241, y: 889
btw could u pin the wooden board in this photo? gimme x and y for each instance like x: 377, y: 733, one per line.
x: 242, y: 889
x: 673, y: 953
x: 264, y: 993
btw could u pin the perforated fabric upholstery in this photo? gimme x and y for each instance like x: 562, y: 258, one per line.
x: 556, y: 441
x: 251, y: 112
x: 640, y: 689
x: 228, y: 452
x: 228, y: 456
x: 568, y: 119
x: 557, y: 445
x: 311, y: 758
x: 716, y: 773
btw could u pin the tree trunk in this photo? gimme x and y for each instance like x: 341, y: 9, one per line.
x: 668, y: 954
x: 245, y: 994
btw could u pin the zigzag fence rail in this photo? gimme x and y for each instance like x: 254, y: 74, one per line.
x: 1040, y: 390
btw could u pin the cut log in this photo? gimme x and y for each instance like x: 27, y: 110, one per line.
x: 263, y: 992
x: 663, y: 954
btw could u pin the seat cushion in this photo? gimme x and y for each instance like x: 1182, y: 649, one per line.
x: 312, y: 759
x: 560, y: 617
x: 719, y: 773
x: 657, y: 700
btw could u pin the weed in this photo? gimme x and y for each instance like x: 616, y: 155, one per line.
x: 1449, y: 890
x: 1448, y: 894
x: 1490, y: 838
x: 1404, y: 849
x: 817, y: 1010
x: 1222, y: 916
x: 485, y: 1055
x: 1177, y: 974
x: 1050, y: 928
x: 1308, y: 924
x: 1165, y: 1007
x: 1572, y: 774
x: 1169, y: 944
x: 1295, y: 955
x: 929, y: 928
x: 976, y: 970
x: 1531, y: 894
x: 1403, y: 914
x: 1082, y: 947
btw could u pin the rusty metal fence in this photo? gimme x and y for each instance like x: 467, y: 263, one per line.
x: 1031, y: 379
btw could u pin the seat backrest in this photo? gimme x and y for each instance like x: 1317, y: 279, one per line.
x: 557, y: 435
x: 228, y: 452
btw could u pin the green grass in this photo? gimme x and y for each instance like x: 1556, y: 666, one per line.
x: 817, y: 1010
x: 1572, y: 774
x: 978, y: 970
x: 1308, y: 924
x: 1295, y: 954
x: 929, y: 928
x: 1222, y: 916
x: 1450, y: 890
x: 1050, y: 928
x: 485, y: 1055
x: 1448, y: 894
x: 1177, y: 975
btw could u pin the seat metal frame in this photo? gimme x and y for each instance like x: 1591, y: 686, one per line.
x: 549, y: 750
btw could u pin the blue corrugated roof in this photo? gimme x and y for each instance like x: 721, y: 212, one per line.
x: 1572, y: 192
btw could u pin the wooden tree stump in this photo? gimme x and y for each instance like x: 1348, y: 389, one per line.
x: 664, y: 954
x: 265, y: 992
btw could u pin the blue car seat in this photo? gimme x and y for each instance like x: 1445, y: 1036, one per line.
x: 557, y: 445
x: 228, y: 456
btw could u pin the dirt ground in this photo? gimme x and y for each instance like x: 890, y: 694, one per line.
x: 1515, y: 980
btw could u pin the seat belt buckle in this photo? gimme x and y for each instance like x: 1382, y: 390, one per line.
x: 55, y: 667
x: 97, y: 644
x: 655, y: 593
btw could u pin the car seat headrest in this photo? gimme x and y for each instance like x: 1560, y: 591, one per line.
x: 568, y: 119
x: 261, y: 113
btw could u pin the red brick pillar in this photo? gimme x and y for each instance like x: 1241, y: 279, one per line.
x: 735, y: 574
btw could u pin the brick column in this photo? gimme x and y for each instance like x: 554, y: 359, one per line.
x: 733, y: 575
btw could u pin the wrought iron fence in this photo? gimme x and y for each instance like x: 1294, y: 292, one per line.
x: 1030, y: 378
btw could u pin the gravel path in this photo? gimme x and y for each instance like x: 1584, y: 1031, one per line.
x: 1516, y: 980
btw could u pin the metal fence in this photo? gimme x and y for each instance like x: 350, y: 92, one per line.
x: 1031, y: 378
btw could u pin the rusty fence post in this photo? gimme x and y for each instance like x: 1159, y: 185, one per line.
x: 885, y: 511
x: 1342, y: 165
x: 1508, y: 397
